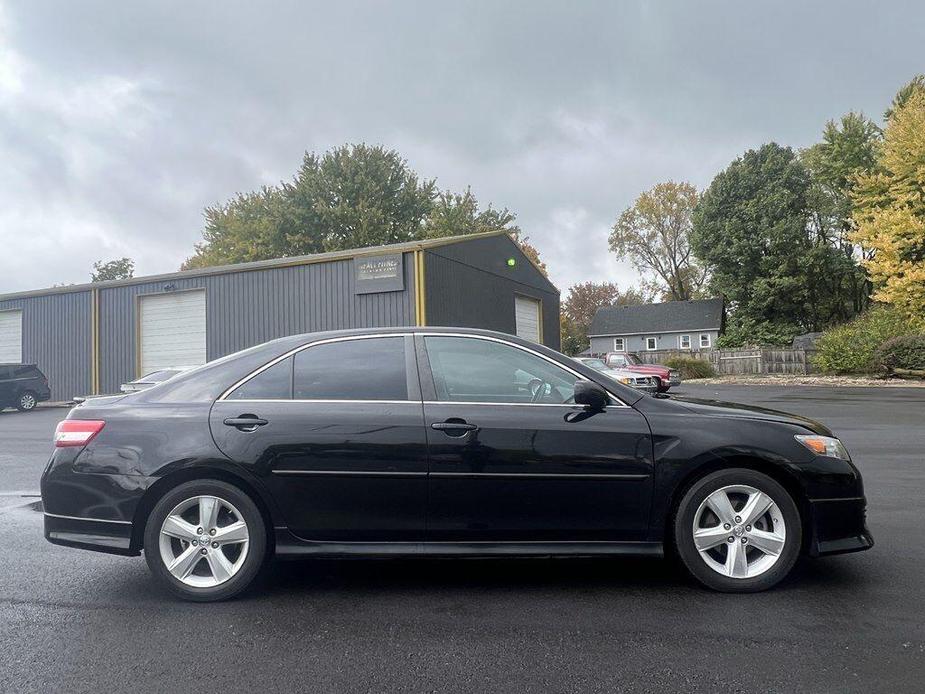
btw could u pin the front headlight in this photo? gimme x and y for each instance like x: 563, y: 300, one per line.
x: 625, y: 379
x: 824, y: 445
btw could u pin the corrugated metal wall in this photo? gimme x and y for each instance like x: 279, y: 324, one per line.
x: 470, y: 285
x: 246, y: 308
x: 57, y: 336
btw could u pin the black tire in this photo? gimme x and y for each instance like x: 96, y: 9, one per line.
x: 698, y: 566
x: 256, y: 548
x: 26, y: 401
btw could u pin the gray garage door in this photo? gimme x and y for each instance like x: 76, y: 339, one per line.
x: 173, y: 330
x: 527, y: 315
x: 11, y: 336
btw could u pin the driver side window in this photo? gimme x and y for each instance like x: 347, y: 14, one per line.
x: 473, y: 370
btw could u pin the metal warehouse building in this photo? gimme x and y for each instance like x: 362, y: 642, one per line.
x: 90, y: 338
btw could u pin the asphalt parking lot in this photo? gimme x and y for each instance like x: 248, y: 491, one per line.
x: 80, y: 621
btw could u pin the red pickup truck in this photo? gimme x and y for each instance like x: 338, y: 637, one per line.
x: 664, y: 377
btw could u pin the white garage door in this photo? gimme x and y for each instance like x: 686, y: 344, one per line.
x: 11, y: 337
x: 527, y: 316
x: 173, y: 331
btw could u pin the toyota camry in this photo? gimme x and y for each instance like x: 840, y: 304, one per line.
x: 440, y: 442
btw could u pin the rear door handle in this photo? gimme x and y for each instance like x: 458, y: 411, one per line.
x: 455, y: 428
x: 245, y: 422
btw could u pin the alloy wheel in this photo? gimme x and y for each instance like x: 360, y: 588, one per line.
x: 26, y: 401
x: 204, y: 541
x: 739, y: 531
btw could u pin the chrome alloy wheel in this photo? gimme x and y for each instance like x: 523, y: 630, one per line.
x: 26, y: 401
x: 204, y: 541
x: 739, y: 531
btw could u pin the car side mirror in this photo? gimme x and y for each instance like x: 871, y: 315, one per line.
x: 591, y: 395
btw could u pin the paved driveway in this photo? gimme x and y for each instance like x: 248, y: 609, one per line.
x: 79, y: 621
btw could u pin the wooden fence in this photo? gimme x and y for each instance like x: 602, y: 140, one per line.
x: 765, y: 360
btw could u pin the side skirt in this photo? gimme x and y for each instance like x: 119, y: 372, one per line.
x: 290, y: 547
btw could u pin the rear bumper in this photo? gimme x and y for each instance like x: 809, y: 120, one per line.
x: 113, y: 537
x: 839, y: 526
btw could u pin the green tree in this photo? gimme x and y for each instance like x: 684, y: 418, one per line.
x: 582, y: 302
x: 454, y: 214
x: 655, y: 235
x: 751, y: 229
x: 848, y: 149
x: 351, y: 197
x: 251, y: 226
x: 359, y: 195
x: 889, y: 210
x: 119, y: 269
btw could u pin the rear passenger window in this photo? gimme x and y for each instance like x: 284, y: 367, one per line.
x: 274, y: 383
x: 364, y: 369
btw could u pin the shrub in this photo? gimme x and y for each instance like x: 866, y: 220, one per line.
x: 691, y: 368
x: 850, y: 348
x: 905, y: 352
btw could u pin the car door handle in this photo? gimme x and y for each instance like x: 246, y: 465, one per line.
x: 246, y: 422
x: 455, y: 428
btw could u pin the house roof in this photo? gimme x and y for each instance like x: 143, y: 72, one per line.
x: 669, y: 317
x: 263, y: 264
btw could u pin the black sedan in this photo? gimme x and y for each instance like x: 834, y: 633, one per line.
x: 437, y: 441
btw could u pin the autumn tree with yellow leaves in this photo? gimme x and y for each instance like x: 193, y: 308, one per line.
x: 889, y: 207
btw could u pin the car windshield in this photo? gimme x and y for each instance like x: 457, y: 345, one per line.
x: 595, y: 364
x: 633, y: 359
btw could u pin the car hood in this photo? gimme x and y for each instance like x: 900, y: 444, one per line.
x: 718, y: 408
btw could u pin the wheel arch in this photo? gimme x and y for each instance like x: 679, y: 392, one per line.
x: 773, y: 470
x: 156, y: 491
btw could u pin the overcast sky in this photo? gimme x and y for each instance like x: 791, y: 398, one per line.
x: 120, y: 121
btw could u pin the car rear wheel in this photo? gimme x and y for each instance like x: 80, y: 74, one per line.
x: 205, y: 540
x: 738, y: 531
x: 27, y: 401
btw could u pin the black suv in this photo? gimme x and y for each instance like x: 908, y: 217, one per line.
x: 22, y: 386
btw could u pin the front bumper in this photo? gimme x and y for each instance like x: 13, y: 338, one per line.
x: 839, y: 526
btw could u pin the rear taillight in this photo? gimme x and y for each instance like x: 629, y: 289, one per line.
x: 77, y: 432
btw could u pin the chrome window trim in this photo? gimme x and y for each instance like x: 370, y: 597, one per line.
x: 618, y: 402
x: 329, y: 401
x: 296, y: 350
x: 487, y: 338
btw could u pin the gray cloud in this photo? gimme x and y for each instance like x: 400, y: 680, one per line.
x: 119, y: 122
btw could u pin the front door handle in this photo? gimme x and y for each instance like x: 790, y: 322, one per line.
x: 246, y: 422
x: 454, y: 427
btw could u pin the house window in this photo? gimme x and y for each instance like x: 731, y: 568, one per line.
x: 619, y: 344
x: 651, y: 343
x: 704, y: 340
x: 684, y: 341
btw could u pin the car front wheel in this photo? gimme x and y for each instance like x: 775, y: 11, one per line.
x: 738, y: 531
x: 27, y: 401
x: 205, y: 540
